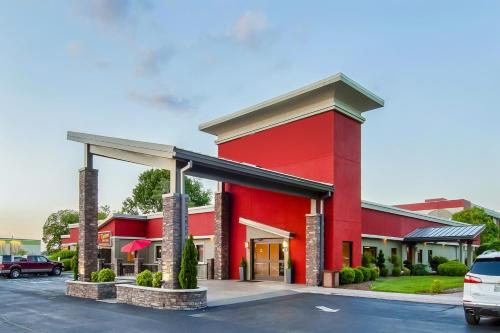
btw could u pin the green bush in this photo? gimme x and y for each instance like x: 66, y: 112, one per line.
x: 367, y: 273
x: 94, y: 277
x: 74, y: 266
x: 156, y: 283
x: 367, y: 259
x: 358, y: 275
x: 437, y: 287
x: 384, y: 272
x: 396, y: 261
x: 144, y: 279
x: 62, y: 254
x: 347, y: 275
x: 381, y: 261
x: 67, y: 264
x: 375, y: 273
x: 436, y: 261
x: 188, y: 276
x: 396, y: 271
x: 452, y: 268
x: 243, y: 262
x: 106, y: 275
x: 495, y: 245
x: 406, y: 271
x: 420, y: 270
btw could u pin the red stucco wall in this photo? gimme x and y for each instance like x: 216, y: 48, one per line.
x: 438, y: 204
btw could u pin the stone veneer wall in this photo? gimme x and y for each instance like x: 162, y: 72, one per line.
x: 91, y: 290
x: 160, y: 298
x: 221, y: 239
x: 313, y: 249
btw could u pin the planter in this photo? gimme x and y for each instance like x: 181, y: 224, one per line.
x: 243, y: 273
x: 289, y: 275
x: 162, y: 298
x: 92, y: 290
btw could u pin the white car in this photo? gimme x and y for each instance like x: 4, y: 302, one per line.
x: 482, y: 288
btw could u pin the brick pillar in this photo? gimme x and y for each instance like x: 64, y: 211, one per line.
x: 171, y: 250
x: 87, y: 239
x: 221, y: 239
x: 137, y: 265
x: 116, y: 266
x: 313, y: 250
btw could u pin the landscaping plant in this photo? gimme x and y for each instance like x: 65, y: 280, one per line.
x: 494, y: 245
x: 452, y: 268
x: 384, y: 272
x: 243, y: 262
x: 106, y: 275
x: 396, y: 265
x: 367, y: 259
x: 381, y: 261
x: 420, y: 270
x: 347, y: 275
x: 437, y: 287
x: 358, y: 275
x: 156, y: 283
x: 189, y: 266
x: 436, y: 261
x: 67, y: 264
x: 144, y: 279
x: 94, y: 277
x: 74, y: 265
x: 367, y: 273
x: 375, y: 273
x: 406, y: 271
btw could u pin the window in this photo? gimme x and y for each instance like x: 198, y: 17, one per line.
x: 486, y: 266
x: 347, y: 253
x: 429, y: 255
x: 157, y: 252
x: 41, y: 259
x: 419, y: 256
x: 372, y: 250
x: 199, y: 250
x: 394, y: 252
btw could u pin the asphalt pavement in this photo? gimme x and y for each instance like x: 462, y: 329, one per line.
x: 38, y: 304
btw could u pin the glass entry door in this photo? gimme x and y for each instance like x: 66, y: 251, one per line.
x: 268, y: 259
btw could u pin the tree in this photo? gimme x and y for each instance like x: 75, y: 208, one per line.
x: 147, y: 194
x: 55, y: 226
x: 188, y: 275
x: 57, y: 223
x: 476, y: 215
x: 380, y: 260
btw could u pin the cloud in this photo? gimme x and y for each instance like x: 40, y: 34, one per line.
x: 111, y: 12
x: 250, y: 29
x: 74, y: 48
x: 152, y: 61
x: 166, y: 101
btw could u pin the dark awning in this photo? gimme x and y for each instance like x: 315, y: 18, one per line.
x: 453, y: 234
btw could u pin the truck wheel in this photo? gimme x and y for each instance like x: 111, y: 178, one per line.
x: 15, y: 273
x: 56, y: 271
x: 472, y: 317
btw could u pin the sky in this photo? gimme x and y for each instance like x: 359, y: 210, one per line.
x: 153, y: 71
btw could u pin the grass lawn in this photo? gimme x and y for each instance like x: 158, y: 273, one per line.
x: 415, y: 284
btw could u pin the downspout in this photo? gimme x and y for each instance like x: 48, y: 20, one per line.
x: 183, y: 203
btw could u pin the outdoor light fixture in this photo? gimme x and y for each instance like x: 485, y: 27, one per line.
x: 246, y: 245
x: 285, y: 245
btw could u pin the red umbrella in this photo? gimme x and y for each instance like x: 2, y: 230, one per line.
x: 136, y: 245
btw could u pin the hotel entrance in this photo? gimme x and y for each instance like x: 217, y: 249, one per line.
x: 268, y: 259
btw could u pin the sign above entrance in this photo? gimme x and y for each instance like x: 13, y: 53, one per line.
x: 104, y: 239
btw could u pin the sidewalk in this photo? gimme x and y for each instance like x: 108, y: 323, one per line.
x: 446, y: 299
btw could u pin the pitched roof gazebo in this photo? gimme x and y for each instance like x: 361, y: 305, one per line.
x: 179, y: 162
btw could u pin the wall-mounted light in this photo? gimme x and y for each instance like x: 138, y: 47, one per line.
x: 285, y: 245
x: 246, y: 245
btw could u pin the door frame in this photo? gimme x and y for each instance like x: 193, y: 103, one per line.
x: 252, y: 256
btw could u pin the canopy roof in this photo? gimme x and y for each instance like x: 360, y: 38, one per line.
x: 454, y: 234
x: 199, y: 165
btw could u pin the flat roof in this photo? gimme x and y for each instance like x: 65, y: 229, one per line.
x: 345, y: 88
x: 463, y: 233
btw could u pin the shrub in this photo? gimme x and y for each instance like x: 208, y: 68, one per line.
x: 62, y: 254
x: 375, y: 273
x: 495, y: 245
x: 384, y: 272
x: 420, y: 270
x: 452, y: 268
x: 396, y: 271
x: 106, y: 275
x: 67, y: 264
x: 74, y: 265
x: 243, y: 262
x: 408, y: 265
x: 437, y: 287
x: 367, y: 259
x: 436, y: 261
x: 94, y: 277
x: 396, y: 261
x: 347, y: 275
x: 144, y: 279
x: 367, y: 273
x: 406, y: 271
x: 289, y: 263
x: 189, y: 266
x: 381, y: 261
x: 156, y: 283
x: 358, y: 275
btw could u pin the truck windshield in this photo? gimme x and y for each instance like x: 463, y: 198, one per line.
x: 486, y: 266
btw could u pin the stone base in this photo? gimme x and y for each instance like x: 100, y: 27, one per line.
x: 161, y: 298
x: 91, y: 290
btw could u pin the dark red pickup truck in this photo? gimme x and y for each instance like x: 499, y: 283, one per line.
x: 14, y: 266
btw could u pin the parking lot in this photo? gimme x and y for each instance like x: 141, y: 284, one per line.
x: 38, y: 304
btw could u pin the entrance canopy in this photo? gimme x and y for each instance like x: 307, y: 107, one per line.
x: 445, y: 234
x: 183, y: 162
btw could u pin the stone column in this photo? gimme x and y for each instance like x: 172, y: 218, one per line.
x: 87, y: 239
x: 404, y: 252
x: 116, y: 266
x: 174, y: 206
x: 137, y: 265
x: 313, y: 250
x: 221, y: 238
x: 469, y: 254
